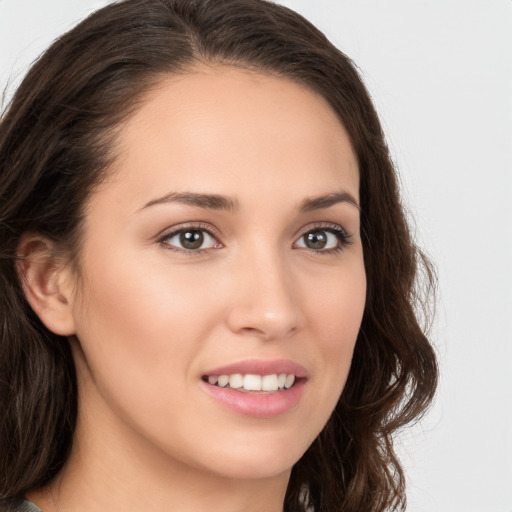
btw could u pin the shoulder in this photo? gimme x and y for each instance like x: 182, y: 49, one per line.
x: 27, y: 506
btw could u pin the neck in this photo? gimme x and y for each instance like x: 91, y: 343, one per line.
x: 105, y: 490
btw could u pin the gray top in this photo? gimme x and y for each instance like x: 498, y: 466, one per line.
x: 27, y: 506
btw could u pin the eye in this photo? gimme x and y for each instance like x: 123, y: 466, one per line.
x: 192, y: 239
x: 323, y: 239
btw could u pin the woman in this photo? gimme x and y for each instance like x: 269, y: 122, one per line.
x: 209, y: 285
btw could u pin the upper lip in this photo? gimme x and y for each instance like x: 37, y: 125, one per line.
x: 260, y: 367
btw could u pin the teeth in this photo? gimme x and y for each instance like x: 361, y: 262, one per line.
x: 250, y: 382
x: 223, y: 381
x: 290, y: 379
x: 269, y: 383
x: 236, y: 381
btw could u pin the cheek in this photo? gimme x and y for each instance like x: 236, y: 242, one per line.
x: 337, y: 314
x: 137, y: 319
x: 140, y: 334
x: 337, y: 307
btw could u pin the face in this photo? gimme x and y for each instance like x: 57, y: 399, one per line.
x: 222, y: 284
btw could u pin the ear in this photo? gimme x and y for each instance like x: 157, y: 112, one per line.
x: 47, y: 281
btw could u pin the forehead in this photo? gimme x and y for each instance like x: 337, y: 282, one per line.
x: 228, y: 130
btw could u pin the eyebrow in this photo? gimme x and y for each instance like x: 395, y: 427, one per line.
x: 207, y: 201
x: 325, y: 201
x: 219, y: 202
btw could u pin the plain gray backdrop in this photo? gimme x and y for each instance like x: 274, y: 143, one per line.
x: 440, y: 73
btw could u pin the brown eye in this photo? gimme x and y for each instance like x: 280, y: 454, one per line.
x: 190, y: 240
x: 315, y: 239
x: 323, y: 239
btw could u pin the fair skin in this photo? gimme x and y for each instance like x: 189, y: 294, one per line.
x: 273, y: 279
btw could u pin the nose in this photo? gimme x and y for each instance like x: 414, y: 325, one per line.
x: 265, y: 300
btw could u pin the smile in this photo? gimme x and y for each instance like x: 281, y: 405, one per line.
x: 257, y: 388
x: 251, y: 383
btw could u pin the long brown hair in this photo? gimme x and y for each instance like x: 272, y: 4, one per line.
x: 55, y: 147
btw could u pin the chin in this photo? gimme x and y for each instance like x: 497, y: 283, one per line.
x: 256, y: 469
x: 257, y: 458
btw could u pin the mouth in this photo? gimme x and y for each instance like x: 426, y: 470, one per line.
x: 257, y: 388
x: 253, y: 383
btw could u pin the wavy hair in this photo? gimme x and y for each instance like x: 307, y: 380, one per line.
x: 56, y: 140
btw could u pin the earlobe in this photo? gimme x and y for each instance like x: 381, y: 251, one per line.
x: 46, y: 281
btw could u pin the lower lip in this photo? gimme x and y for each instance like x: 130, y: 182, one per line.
x: 258, y: 405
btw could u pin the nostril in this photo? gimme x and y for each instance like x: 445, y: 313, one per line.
x: 251, y: 330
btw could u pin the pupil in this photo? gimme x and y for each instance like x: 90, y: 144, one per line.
x: 191, y: 239
x: 316, y: 240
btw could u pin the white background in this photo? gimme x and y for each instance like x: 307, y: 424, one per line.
x: 440, y: 72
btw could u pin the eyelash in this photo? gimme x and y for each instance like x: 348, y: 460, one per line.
x: 183, y: 229
x: 342, y: 236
